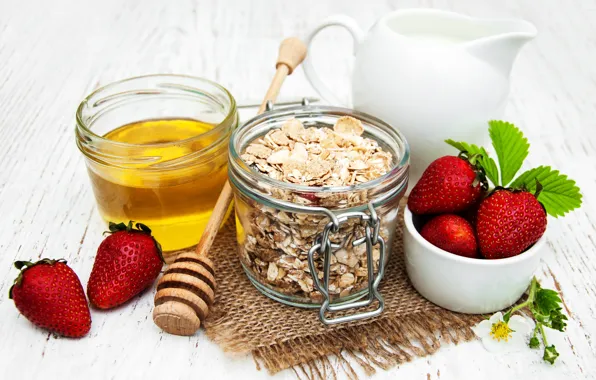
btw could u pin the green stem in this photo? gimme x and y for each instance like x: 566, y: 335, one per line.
x: 520, y: 306
x: 528, y: 302
x: 543, y: 335
x: 533, y: 287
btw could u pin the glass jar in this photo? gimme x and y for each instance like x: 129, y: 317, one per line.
x: 286, y: 231
x: 156, y: 152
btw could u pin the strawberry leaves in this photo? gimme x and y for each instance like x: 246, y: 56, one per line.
x: 558, y: 195
x: 511, y: 146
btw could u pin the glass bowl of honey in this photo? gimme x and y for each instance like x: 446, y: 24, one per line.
x: 156, y: 152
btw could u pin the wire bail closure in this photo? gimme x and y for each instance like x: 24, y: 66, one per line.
x: 324, y: 247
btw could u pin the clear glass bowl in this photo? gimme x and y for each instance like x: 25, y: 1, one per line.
x: 278, y: 222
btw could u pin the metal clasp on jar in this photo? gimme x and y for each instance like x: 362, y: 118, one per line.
x: 325, y: 248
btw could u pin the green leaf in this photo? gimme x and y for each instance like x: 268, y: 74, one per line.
x: 511, y: 147
x: 489, y: 165
x: 559, y: 194
x: 546, y: 301
x: 550, y: 354
x: 547, y: 307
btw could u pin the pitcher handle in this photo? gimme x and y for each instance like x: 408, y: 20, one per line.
x: 311, y: 74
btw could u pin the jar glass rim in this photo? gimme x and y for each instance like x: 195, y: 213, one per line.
x: 226, y: 122
x: 394, y: 173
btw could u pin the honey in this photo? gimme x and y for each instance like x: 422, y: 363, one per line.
x: 162, y: 185
x: 156, y: 150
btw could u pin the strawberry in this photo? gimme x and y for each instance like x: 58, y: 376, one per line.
x: 127, y: 262
x: 450, y: 184
x: 49, y: 294
x: 451, y: 233
x: 509, y: 222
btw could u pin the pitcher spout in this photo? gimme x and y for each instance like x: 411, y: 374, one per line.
x: 500, y: 47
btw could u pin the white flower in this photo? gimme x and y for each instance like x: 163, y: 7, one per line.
x: 498, y: 336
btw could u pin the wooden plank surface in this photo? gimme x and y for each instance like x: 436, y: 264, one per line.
x: 54, y: 53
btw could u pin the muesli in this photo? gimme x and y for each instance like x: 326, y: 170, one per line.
x: 276, y: 243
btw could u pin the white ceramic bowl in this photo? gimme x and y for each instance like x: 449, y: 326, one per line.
x: 462, y: 284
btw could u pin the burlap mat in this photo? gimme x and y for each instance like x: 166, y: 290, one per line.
x: 280, y: 337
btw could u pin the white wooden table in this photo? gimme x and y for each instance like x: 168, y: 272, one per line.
x: 53, y: 53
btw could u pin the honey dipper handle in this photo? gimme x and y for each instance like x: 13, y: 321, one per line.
x: 292, y: 52
x: 219, y: 212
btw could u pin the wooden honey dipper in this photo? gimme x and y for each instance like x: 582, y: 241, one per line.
x: 187, y: 289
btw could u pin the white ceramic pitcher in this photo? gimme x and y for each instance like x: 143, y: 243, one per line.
x: 432, y: 74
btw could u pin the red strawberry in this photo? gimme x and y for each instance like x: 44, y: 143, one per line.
x: 449, y: 184
x: 509, y: 222
x: 49, y: 294
x: 127, y: 262
x: 451, y: 233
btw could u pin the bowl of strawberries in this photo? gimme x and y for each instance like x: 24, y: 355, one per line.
x: 474, y: 233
